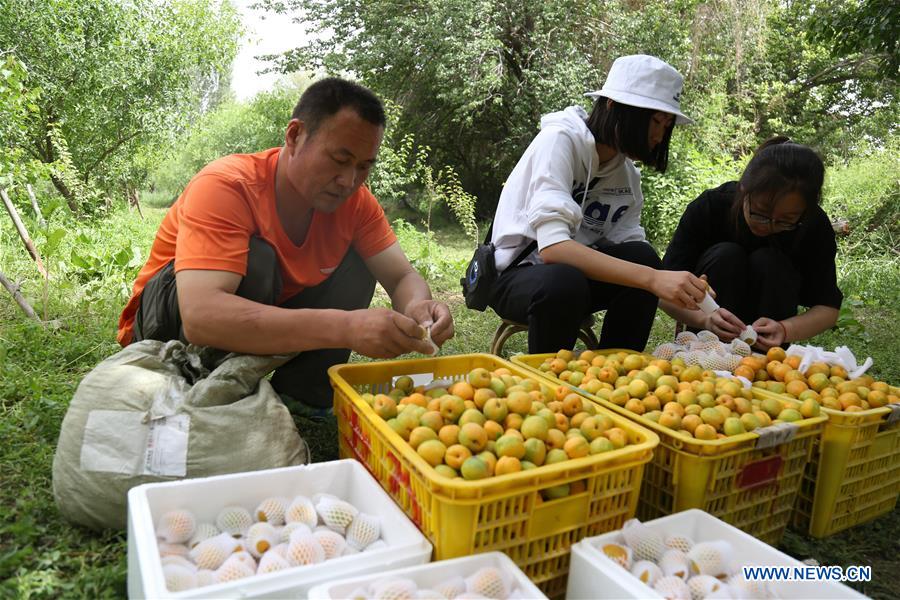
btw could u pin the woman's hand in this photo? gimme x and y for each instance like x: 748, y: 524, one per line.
x: 681, y: 288
x: 770, y: 333
x: 724, y: 324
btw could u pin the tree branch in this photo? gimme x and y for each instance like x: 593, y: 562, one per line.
x: 110, y: 150
x: 23, y: 233
x: 13, y: 289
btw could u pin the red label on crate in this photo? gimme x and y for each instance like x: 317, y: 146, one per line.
x: 760, y: 472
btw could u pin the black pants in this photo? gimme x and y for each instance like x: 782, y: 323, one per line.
x: 761, y: 283
x: 305, y: 378
x: 555, y: 299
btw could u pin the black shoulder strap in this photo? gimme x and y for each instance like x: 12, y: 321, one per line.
x: 530, y: 247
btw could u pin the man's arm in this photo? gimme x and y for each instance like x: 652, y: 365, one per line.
x: 409, y: 293
x: 212, y: 315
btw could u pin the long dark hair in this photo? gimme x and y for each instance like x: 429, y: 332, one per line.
x: 780, y: 167
x: 625, y: 128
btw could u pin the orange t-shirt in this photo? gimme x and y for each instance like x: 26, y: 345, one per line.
x: 233, y: 198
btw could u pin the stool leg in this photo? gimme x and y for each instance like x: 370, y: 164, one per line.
x: 504, y: 332
x: 499, y: 339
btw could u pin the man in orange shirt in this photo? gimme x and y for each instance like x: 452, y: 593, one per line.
x: 278, y: 252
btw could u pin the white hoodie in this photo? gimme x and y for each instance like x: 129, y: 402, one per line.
x: 537, y: 199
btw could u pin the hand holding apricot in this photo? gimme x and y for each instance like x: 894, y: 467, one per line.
x: 724, y: 324
x: 433, y: 314
x: 384, y: 333
x: 770, y: 333
x: 678, y: 287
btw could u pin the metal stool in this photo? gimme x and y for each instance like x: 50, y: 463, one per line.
x: 508, y: 328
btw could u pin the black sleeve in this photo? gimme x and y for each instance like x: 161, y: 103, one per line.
x: 818, y: 267
x: 690, y: 239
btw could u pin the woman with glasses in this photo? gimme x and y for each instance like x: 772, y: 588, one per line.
x: 765, y: 246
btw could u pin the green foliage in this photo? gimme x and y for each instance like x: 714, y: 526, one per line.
x: 403, y: 175
x: 425, y: 253
x: 865, y: 193
x: 233, y: 128
x: 117, y: 79
x: 18, y: 103
x: 690, y: 172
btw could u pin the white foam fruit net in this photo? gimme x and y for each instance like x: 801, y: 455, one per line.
x: 302, y: 510
x: 176, y: 526
x: 332, y: 542
x: 235, y: 520
x: 336, y: 513
x: 271, y: 510
x: 363, y: 530
x: 490, y: 582
x: 211, y: 553
x: 304, y: 549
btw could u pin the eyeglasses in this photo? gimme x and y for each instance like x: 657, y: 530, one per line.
x: 765, y: 220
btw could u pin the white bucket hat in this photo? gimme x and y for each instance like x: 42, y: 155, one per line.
x: 646, y: 82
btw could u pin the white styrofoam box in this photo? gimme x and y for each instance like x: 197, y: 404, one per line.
x: 432, y: 574
x: 594, y: 575
x: 346, y: 479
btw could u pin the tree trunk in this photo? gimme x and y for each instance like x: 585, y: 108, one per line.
x: 134, y: 199
x: 35, y: 207
x: 20, y: 300
x: 63, y: 189
x: 20, y: 227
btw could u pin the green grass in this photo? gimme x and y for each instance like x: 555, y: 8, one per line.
x: 41, y: 556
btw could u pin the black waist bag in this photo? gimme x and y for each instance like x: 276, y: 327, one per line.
x: 481, y: 273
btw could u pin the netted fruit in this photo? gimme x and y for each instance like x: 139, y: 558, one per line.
x: 363, y: 530
x: 176, y: 526
x: 179, y: 578
x: 302, y: 510
x: 304, y: 549
x: 332, y: 542
x: 271, y: 510
x: 211, y: 553
x: 336, y: 513
x: 272, y: 561
x: 234, y: 520
x: 260, y: 537
x: 490, y: 582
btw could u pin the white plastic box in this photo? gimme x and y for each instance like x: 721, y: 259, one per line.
x: 594, y: 575
x: 432, y: 574
x: 346, y: 479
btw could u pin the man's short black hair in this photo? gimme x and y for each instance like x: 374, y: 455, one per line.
x: 327, y: 96
x: 625, y: 128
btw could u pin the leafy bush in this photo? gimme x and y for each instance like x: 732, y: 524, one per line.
x: 690, y: 172
x: 233, y: 128
x: 425, y: 254
x: 866, y: 193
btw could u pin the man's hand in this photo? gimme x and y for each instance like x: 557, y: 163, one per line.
x: 434, y: 314
x: 384, y: 333
x: 681, y: 288
x: 724, y: 324
x: 770, y: 333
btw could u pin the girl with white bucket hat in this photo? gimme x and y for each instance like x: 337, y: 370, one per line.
x: 571, y: 210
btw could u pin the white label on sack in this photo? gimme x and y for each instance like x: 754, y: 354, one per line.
x: 113, y: 442
x: 118, y: 441
x: 167, y: 445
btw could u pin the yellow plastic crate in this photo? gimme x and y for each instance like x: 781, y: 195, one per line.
x: 854, y: 473
x: 503, y: 513
x: 748, y: 480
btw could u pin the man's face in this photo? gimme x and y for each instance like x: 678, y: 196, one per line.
x: 328, y: 167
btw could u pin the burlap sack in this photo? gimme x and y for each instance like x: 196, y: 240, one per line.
x: 158, y: 411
